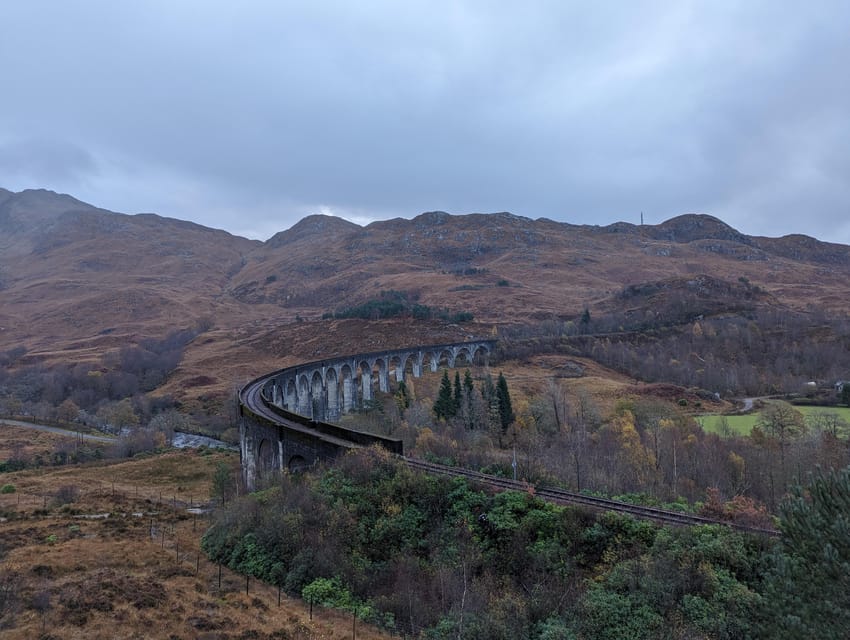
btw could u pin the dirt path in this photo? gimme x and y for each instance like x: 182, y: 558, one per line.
x: 57, y: 430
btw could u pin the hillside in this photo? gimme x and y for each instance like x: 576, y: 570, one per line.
x: 85, y: 546
x: 78, y: 281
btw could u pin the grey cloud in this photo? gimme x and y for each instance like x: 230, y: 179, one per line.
x: 586, y: 113
x: 48, y: 161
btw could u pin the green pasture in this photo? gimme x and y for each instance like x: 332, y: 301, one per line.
x: 742, y: 424
x: 739, y: 425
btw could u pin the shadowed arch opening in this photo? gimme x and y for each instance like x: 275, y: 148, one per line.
x: 274, y: 393
x: 291, y: 397
x: 332, y: 386
x: 396, y: 369
x: 296, y: 464
x: 303, y: 395
x: 480, y: 356
x: 409, y: 370
x: 349, y: 392
x: 365, y: 370
x: 445, y: 360
x: 380, y: 370
x: 430, y: 361
x: 265, y: 458
x: 463, y: 358
x: 317, y: 396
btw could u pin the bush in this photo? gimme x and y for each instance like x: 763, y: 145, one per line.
x: 328, y: 592
x: 67, y: 494
x: 7, y: 488
x: 397, y: 304
x: 12, y: 465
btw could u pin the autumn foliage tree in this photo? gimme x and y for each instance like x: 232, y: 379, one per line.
x: 637, y: 462
x: 778, y: 426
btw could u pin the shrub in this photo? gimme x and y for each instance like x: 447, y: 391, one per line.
x: 328, y: 592
x: 67, y: 494
x: 7, y: 488
x: 396, y: 304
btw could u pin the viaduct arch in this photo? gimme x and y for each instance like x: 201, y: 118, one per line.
x: 286, y: 416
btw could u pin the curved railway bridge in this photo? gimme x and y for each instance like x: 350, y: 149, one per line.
x: 284, y: 415
x: 283, y: 422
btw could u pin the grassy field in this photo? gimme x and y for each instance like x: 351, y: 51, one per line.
x: 743, y: 424
x: 738, y: 424
x: 109, y: 550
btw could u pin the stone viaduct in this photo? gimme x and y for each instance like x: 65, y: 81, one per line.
x: 285, y: 415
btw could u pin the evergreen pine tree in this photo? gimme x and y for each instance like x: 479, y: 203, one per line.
x: 491, y: 402
x: 506, y: 412
x: 469, y: 404
x: 457, y: 400
x: 807, y: 590
x: 443, y: 407
x: 468, y: 385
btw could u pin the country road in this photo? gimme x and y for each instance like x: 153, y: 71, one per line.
x: 181, y: 440
x: 57, y: 430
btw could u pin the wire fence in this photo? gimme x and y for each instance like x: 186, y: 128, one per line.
x: 172, y: 522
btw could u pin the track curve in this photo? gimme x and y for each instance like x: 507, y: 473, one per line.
x: 251, y: 397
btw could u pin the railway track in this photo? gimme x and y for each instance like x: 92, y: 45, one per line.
x: 252, y: 397
x: 562, y: 496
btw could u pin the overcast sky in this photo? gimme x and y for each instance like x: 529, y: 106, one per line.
x: 248, y: 116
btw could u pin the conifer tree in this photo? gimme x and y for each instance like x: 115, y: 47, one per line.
x: 506, y: 412
x: 491, y: 403
x: 444, y: 405
x: 457, y: 400
x: 807, y: 592
x: 468, y: 385
x: 469, y: 404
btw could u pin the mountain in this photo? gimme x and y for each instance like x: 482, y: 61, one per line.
x: 507, y: 268
x: 77, y: 281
